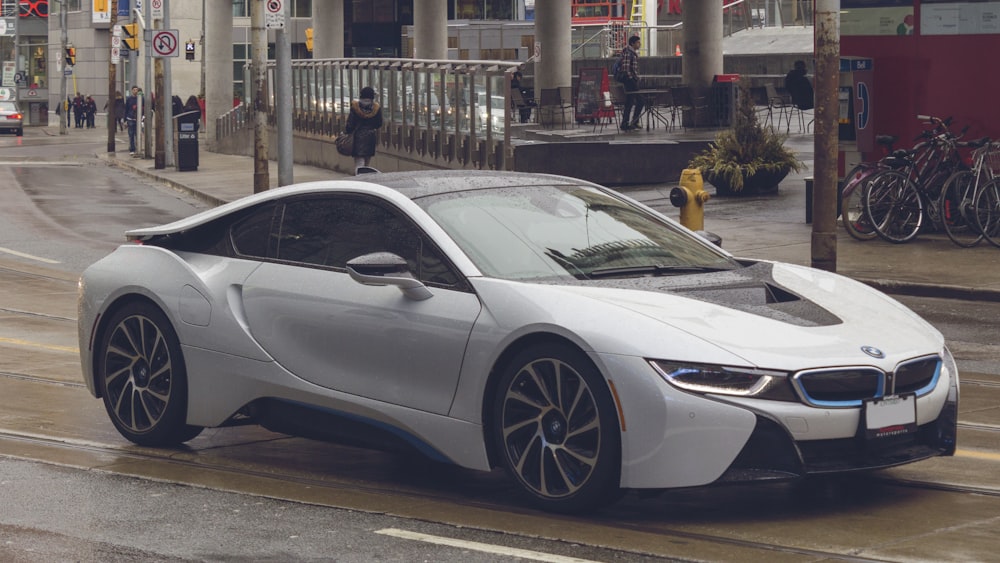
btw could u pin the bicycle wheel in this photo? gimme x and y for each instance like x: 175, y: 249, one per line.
x: 987, y: 211
x: 893, y: 206
x: 956, y: 208
x: 852, y: 211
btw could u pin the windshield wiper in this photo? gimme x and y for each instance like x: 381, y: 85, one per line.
x: 651, y: 269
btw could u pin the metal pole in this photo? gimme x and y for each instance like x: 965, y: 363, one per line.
x: 261, y: 179
x: 283, y: 102
x: 824, y: 233
x: 147, y: 112
x: 64, y: 39
x: 112, y: 77
x: 168, y: 96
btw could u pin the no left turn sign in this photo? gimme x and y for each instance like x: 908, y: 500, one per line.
x: 165, y: 43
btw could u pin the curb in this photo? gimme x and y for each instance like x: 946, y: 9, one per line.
x: 176, y: 186
x: 944, y: 291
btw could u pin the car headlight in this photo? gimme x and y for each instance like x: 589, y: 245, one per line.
x: 725, y: 380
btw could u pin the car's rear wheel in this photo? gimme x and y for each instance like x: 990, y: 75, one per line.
x: 142, y: 377
x: 556, y: 426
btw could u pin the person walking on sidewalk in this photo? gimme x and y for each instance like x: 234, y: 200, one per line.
x: 89, y: 112
x: 629, y: 77
x: 131, y: 114
x: 364, y: 122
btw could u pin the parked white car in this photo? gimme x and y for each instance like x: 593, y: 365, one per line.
x: 554, y: 327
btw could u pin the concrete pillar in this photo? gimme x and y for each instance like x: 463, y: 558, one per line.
x: 328, y: 29
x: 218, y: 65
x: 554, y: 69
x: 702, y: 43
x: 430, y: 29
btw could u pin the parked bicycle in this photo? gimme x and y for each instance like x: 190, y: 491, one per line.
x: 987, y: 211
x: 852, y: 213
x: 957, y: 202
x: 896, y: 202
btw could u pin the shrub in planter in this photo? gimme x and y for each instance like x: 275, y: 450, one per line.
x: 748, y: 155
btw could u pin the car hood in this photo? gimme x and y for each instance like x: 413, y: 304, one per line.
x: 771, y: 315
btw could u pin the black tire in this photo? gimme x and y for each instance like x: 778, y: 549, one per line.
x: 556, y: 429
x: 20, y: 132
x: 852, y: 209
x: 893, y: 207
x: 987, y: 211
x: 142, y: 377
x: 957, y: 211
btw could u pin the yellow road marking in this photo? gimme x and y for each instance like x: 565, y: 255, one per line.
x: 30, y: 344
x: 991, y: 456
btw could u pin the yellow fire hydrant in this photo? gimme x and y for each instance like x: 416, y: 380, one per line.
x: 690, y: 197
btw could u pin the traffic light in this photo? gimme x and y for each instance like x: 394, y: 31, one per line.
x: 189, y: 50
x: 70, y: 56
x: 309, y: 39
x: 130, y: 31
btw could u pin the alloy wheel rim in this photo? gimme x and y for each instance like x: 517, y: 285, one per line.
x: 138, y: 373
x: 551, y: 428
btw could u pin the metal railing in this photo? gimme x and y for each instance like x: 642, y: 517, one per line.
x: 445, y: 113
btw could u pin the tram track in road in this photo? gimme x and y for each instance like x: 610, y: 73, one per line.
x: 639, y: 536
x: 629, y: 537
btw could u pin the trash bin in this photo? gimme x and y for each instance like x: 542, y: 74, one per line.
x: 187, y: 144
x: 725, y: 89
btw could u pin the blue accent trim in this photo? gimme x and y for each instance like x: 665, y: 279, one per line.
x: 421, y: 446
x: 934, y: 381
x: 880, y: 390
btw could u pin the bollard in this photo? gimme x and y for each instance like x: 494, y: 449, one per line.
x: 690, y: 197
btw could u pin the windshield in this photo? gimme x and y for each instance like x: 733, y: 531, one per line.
x: 559, y: 231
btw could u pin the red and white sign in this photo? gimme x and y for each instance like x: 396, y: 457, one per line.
x: 165, y: 43
x: 274, y: 14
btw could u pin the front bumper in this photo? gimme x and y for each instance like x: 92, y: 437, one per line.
x: 772, y: 453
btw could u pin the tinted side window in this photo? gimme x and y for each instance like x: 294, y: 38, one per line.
x: 252, y: 234
x: 331, y: 231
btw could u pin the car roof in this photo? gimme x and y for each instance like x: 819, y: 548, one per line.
x: 433, y: 182
x: 412, y: 185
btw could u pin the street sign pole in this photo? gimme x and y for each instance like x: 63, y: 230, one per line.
x: 64, y: 40
x: 112, y: 78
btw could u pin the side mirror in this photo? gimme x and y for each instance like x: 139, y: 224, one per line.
x: 386, y: 268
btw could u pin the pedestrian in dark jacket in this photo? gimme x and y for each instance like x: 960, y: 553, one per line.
x: 90, y: 111
x: 120, y: 111
x: 78, y: 111
x: 364, y: 122
x: 630, y: 80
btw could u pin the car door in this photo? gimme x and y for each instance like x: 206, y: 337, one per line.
x: 372, y: 341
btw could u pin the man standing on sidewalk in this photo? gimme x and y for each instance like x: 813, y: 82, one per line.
x: 630, y: 80
x: 131, y: 114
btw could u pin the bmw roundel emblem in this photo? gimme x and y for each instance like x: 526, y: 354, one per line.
x: 873, y: 351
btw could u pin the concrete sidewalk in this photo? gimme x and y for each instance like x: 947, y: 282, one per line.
x: 768, y: 227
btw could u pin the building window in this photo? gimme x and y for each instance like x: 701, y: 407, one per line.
x: 302, y: 9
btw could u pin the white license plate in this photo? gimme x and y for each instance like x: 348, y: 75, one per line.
x: 890, y: 416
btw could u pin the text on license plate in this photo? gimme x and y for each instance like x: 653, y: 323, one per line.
x: 891, y: 416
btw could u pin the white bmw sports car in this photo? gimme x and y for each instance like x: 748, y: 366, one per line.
x: 579, y: 339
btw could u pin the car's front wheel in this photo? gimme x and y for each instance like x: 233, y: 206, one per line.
x: 556, y: 426
x: 142, y: 377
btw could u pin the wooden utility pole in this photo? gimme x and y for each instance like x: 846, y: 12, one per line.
x: 258, y: 42
x: 824, y: 233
